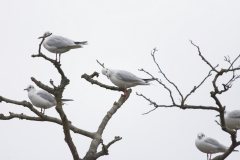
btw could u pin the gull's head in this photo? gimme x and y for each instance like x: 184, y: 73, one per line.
x: 46, y: 34
x: 29, y: 88
x: 106, y: 72
x: 200, y: 136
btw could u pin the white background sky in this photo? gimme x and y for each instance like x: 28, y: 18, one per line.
x: 121, y: 34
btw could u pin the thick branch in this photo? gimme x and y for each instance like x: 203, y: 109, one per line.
x: 57, y: 91
x: 91, y: 154
x: 46, y: 119
x: 66, y: 131
x: 228, y: 152
x: 43, y: 86
x: 112, y: 111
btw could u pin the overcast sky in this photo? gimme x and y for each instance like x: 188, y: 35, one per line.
x: 121, y: 34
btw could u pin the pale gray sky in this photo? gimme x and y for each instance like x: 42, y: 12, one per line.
x: 121, y: 34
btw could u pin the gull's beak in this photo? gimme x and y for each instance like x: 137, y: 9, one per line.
x: 25, y: 89
x: 218, y: 115
x: 40, y: 37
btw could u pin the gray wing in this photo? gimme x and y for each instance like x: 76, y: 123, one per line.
x: 47, y: 96
x: 215, y: 143
x: 59, y: 42
x: 127, y: 76
x: 234, y: 114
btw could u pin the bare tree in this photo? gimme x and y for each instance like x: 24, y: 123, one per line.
x: 57, y: 91
x: 214, y: 93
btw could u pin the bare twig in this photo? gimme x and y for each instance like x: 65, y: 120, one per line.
x: 52, y: 83
x: 160, y: 82
x: 228, y: 60
x: 160, y: 70
x: 196, y: 87
x: 104, y: 150
x: 89, y: 79
x: 182, y: 106
x: 200, y: 54
x: 101, y: 64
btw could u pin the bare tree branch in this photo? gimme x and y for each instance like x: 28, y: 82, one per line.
x: 46, y: 118
x: 101, y: 64
x: 89, y: 79
x: 104, y: 150
x: 153, y: 56
x: 112, y: 111
x: 220, y: 108
x: 92, y: 152
x: 182, y: 106
x: 160, y: 82
x: 195, y: 88
x: 200, y: 54
x: 228, y: 152
x: 57, y: 92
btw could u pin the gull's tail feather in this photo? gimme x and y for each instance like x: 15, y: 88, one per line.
x: 149, y: 80
x: 83, y: 43
x: 64, y: 100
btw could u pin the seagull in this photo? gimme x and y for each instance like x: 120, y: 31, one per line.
x: 232, y: 119
x: 124, y: 79
x: 209, y: 145
x: 42, y: 99
x: 59, y: 44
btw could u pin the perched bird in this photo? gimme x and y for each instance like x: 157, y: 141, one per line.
x: 42, y: 99
x: 124, y: 79
x: 209, y: 145
x: 232, y: 119
x: 59, y: 44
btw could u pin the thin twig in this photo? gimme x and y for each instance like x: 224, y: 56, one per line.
x: 196, y: 87
x: 101, y: 64
x: 160, y: 71
x: 161, y: 83
x: 105, y: 148
x: 200, y: 54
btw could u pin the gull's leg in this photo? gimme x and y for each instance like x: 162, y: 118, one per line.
x: 207, y: 156
x: 56, y: 57
x: 125, y: 92
x: 41, y: 110
x: 210, y: 156
x: 59, y: 57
